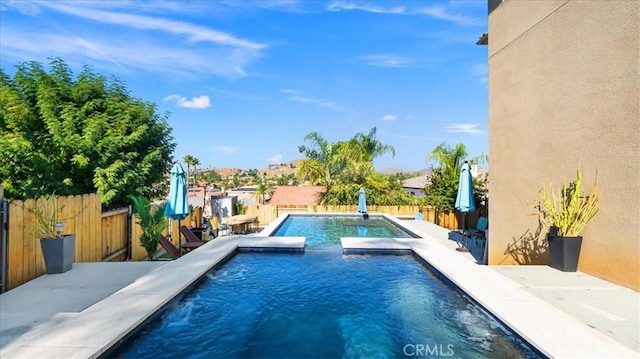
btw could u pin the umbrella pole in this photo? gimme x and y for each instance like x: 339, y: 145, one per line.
x: 461, y: 246
x: 179, y: 240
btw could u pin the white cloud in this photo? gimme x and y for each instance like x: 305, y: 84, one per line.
x: 464, y: 128
x: 192, y: 32
x: 297, y: 96
x: 226, y: 149
x: 238, y: 95
x: 276, y: 159
x: 341, y: 5
x: 394, y: 61
x: 317, y: 101
x: 437, y: 11
x: 23, y: 7
x: 289, y: 91
x: 144, y: 43
x: 389, y: 117
x: 198, y: 102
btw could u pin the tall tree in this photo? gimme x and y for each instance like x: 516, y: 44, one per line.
x: 450, y: 159
x: 322, y: 164
x: 191, y: 161
x: 345, y: 166
x: 75, y: 136
x: 359, y: 153
x: 443, y: 188
x: 263, y: 189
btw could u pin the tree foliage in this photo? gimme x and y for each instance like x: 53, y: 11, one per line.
x: 74, y: 136
x: 443, y: 188
x: 191, y: 162
x: 263, y: 190
x: 152, y: 221
x: 323, y: 162
x: 345, y: 166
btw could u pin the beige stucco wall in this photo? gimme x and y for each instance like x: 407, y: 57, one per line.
x: 564, y: 90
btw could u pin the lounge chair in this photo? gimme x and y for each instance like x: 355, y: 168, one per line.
x: 169, y: 248
x: 173, y: 251
x: 190, y: 236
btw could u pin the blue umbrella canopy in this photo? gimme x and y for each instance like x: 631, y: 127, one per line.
x: 177, y: 202
x: 362, y: 201
x: 464, y: 200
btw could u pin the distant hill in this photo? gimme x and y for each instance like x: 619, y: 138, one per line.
x: 394, y: 170
x: 286, y: 169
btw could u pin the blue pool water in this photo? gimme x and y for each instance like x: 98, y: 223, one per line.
x: 322, y: 304
x: 327, y: 230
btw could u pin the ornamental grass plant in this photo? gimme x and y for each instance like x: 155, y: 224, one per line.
x: 568, y: 209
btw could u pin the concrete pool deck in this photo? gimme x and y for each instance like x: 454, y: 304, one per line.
x: 81, y: 313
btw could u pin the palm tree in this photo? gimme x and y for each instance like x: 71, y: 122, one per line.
x: 370, y: 147
x: 263, y: 189
x: 322, y: 164
x: 190, y: 160
x: 360, y: 151
x: 195, y: 165
x: 450, y: 159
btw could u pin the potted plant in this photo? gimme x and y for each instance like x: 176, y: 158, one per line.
x: 57, y: 249
x: 565, y: 214
x: 152, y: 221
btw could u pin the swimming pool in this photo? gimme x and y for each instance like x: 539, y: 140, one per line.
x: 326, y: 230
x: 322, y: 304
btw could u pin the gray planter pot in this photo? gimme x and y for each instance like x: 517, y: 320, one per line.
x: 58, y: 253
x: 564, y: 252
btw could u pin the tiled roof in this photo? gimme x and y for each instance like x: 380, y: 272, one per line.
x: 417, y: 182
x: 296, y: 195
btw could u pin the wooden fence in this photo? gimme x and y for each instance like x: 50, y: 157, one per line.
x: 115, y: 235
x: 82, y: 215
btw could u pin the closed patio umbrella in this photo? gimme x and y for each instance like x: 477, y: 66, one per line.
x: 362, y: 201
x: 177, y: 202
x: 464, y: 200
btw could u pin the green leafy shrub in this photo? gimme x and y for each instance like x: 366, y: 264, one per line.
x: 151, y: 219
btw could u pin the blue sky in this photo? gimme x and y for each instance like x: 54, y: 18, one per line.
x: 245, y: 81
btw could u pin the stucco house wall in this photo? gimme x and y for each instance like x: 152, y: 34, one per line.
x: 564, y: 91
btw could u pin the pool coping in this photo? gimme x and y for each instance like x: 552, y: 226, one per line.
x: 91, y: 332
x: 551, y: 331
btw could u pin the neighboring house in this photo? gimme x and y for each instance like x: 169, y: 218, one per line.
x: 416, y: 185
x: 244, y: 194
x: 296, y: 195
x: 564, y: 92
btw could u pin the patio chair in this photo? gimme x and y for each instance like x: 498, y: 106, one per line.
x: 475, y: 239
x: 190, y: 236
x: 169, y: 248
x: 481, y: 225
x: 173, y: 251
